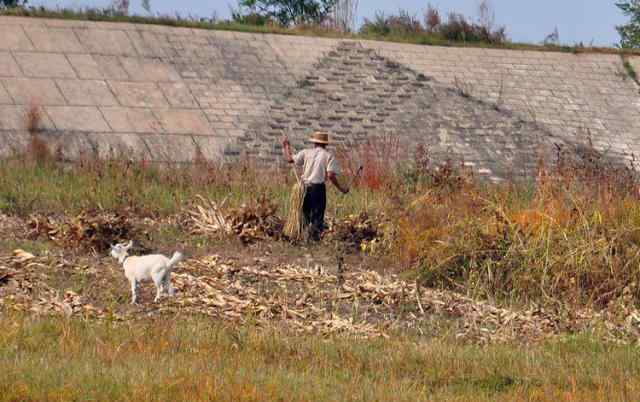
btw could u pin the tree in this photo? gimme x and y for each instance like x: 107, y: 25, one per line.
x: 344, y: 15
x: 630, y: 33
x: 120, y: 7
x: 146, y: 6
x: 288, y: 12
x: 553, y: 39
x: 12, y: 3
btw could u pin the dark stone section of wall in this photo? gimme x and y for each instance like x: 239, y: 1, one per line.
x: 358, y: 96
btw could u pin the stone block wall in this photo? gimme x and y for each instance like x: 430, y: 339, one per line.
x: 163, y: 94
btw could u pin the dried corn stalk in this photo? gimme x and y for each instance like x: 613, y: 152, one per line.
x: 295, y: 226
x: 208, y: 217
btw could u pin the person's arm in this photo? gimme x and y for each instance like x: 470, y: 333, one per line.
x: 333, y: 169
x: 286, y: 150
x: 333, y: 178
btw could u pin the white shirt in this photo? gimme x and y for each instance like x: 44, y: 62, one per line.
x: 317, y: 162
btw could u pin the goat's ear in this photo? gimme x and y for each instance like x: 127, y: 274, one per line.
x: 129, y: 245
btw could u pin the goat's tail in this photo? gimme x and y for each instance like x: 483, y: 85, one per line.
x: 176, y: 258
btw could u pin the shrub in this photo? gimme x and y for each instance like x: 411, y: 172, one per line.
x: 457, y: 27
x: 570, y: 238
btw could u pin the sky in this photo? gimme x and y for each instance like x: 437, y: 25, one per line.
x: 586, y: 21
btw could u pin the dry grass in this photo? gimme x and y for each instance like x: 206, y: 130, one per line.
x: 192, y: 359
x: 570, y: 238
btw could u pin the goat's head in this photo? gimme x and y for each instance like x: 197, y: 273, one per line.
x: 121, y: 250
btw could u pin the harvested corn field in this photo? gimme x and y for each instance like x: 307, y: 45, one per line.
x: 433, y: 258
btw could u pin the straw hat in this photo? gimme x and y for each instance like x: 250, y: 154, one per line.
x: 319, y: 138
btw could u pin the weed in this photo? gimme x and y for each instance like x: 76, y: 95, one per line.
x: 463, y: 88
x: 37, y: 148
x: 629, y: 69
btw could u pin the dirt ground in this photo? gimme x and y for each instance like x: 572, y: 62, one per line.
x: 307, y: 288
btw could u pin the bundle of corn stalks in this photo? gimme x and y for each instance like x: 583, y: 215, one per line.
x: 294, y: 229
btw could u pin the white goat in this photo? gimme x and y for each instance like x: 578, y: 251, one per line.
x: 156, y: 267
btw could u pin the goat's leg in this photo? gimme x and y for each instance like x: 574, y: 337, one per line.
x: 133, y: 291
x: 167, y: 285
x: 158, y: 289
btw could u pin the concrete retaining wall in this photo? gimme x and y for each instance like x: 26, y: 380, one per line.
x: 163, y: 93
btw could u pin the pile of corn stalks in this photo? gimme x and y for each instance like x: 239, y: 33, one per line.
x: 359, y: 232
x: 250, y: 222
x: 88, y: 231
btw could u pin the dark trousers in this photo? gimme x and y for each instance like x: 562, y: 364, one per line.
x: 315, y: 203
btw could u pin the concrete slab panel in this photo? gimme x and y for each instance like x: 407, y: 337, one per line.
x: 44, y: 65
x: 85, y: 66
x: 170, y: 148
x: 97, y: 67
x: 77, y: 118
x: 105, y: 42
x: 40, y: 91
x: 148, y: 70
x: 5, y: 99
x: 212, y: 147
x: 122, y: 119
x: 14, y: 38
x: 111, y: 68
x: 53, y: 39
x: 87, y: 92
x: 183, y: 121
x: 8, y: 66
x: 14, y: 118
x: 118, y: 145
x: 67, y: 23
x: 178, y: 95
x: 69, y: 146
x: 13, y: 143
x: 15, y: 21
x: 148, y: 44
x: 138, y: 94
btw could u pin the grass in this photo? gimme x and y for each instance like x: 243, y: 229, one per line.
x: 50, y: 187
x: 418, y: 38
x: 194, y: 359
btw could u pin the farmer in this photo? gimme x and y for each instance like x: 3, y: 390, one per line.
x: 318, y: 165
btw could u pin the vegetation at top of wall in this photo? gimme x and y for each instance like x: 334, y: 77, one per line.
x: 630, y: 32
x: 456, y: 28
x: 289, y: 12
x: 256, y: 23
